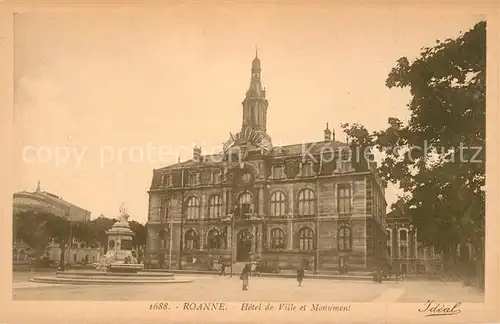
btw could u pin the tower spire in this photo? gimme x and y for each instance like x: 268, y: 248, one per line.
x: 38, y: 186
x: 255, y: 103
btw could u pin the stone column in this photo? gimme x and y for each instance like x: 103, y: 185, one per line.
x: 254, y: 238
x: 260, y: 239
x: 203, y: 205
x: 261, y: 202
x: 290, y: 234
x: 202, y: 237
x: 224, y: 201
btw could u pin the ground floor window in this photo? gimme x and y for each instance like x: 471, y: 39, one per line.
x: 306, y: 239
x: 277, y: 239
x: 191, y: 240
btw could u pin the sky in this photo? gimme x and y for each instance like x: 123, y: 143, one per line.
x: 104, y: 97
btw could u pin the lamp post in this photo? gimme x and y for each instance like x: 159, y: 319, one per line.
x: 171, y: 230
x: 232, y: 243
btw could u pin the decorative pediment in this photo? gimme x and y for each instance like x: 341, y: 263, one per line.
x: 250, y: 139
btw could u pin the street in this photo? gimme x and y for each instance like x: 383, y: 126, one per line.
x: 210, y: 287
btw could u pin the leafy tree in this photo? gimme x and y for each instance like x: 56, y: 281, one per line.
x: 140, y: 237
x: 98, y: 227
x: 39, y: 229
x: 440, y: 160
x: 31, y: 229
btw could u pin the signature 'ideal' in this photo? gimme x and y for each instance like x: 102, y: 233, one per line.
x: 437, y: 309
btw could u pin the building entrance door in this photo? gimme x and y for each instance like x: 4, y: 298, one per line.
x: 243, y: 246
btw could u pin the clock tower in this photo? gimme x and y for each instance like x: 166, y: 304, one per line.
x: 255, y: 103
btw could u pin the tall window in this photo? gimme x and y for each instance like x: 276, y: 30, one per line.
x: 215, y: 239
x: 344, y: 238
x: 214, y: 206
x: 245, y: 203
x: 307, y: 169
x: 191, y: 240
x: 278, y: 172
x: 277, y: 239
x: 193, y: 208
x: 344, y: 198
x: 307, y: 202
x: 278, y: 201
x: 306, y: 239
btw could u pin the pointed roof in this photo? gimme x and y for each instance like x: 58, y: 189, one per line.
x: 256, y: 91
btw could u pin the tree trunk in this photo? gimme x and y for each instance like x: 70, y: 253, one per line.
x: 478, y: 250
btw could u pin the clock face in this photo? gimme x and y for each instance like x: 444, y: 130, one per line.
x: 256, y: 75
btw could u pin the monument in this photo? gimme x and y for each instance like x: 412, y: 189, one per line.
x: 120, y: 256
x: 118, y: 266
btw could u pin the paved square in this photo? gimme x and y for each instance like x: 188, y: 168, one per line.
x: 210, y: 287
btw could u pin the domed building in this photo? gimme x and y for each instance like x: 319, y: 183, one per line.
x: 46, y: 202
x: 312, y: 204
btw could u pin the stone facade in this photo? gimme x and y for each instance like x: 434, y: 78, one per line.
x: 319, y: 204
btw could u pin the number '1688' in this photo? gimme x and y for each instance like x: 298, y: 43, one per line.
x: 159, y: 306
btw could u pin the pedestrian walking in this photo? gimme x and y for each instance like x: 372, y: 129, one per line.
x: 244, y: 276
x: 222, y: 269
x: 300, y: 275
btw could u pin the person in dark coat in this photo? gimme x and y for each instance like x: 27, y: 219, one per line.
x: 300, y: 275
x: 244, y: 276
x: 222, y: 269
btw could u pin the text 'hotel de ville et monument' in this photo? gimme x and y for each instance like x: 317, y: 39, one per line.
x: 285, y: 206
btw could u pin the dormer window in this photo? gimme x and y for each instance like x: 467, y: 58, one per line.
x: 344, y: 163
x: 278, y: 172
x: 216, y: 177
x: 307, y: 170
x: 194, y: 179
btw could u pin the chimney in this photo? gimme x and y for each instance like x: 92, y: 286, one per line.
x: 197, y: 154
x: 328, y: 134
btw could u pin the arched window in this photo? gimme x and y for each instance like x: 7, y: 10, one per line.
x: 277, y: 239
x: 193, y: 208
x: 191, y: 240
x: 245, y: 203
x: 215, y: 239
x: 344, y: 238
x: 278, y: 200
x: 307, y: 202
x: 214, y: 206
x: 306, y: 239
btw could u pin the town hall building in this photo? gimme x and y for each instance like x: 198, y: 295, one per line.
x: 319, y: 204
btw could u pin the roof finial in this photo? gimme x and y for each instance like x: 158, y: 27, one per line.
x: 38, y: 186
x: 256, y: 51
x: 326, y: 125
x: 179, y: 159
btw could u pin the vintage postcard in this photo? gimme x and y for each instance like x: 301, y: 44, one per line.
x: 249, y: 162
